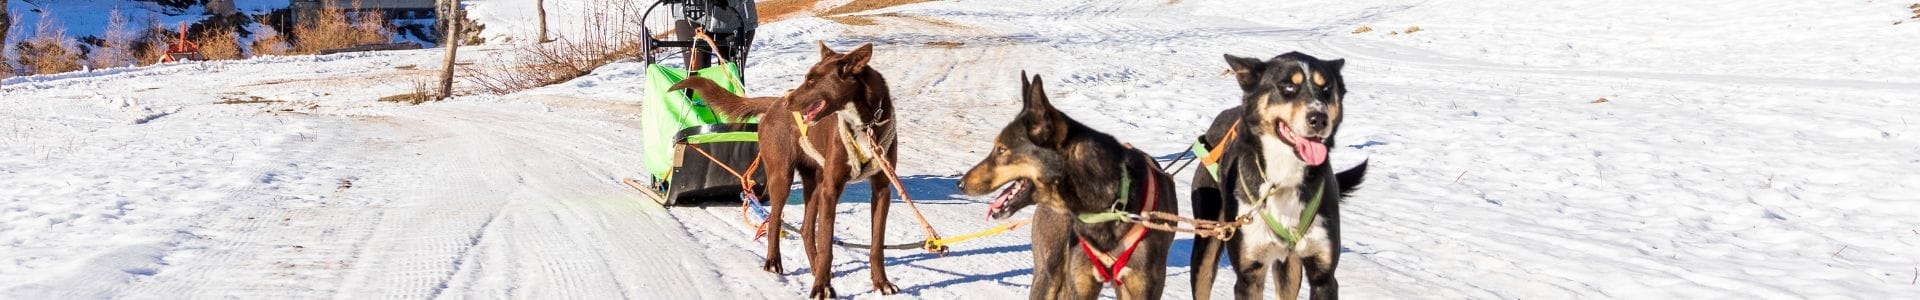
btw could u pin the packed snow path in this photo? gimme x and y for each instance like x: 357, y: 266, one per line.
x: 1772, y: 168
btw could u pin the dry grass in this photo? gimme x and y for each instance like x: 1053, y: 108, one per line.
x: 335, y: 27
x: 1916, y: 10
x: 245, y: 99
x: 150, y: 45
x: 1412, y: 29
x: 49, y: 51
x: 1362, y: 29
x: 219, y: 44
x: 538, y: 65
x: 776, y: 10
x: 567, y: 57
x: 859, y: 20
x: 422, y: 92
x: 268, y: 42
x: 945, y: 44
x: 873, y: 19
x: 866, y: 5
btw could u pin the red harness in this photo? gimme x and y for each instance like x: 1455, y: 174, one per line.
x: 1111, y: 273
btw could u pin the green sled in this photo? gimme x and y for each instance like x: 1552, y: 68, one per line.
x: 673, y: 122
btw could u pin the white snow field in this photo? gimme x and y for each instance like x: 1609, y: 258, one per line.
x: 1755, y: 149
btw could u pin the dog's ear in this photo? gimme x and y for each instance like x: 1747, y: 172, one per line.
x: 1247, y: 71
x: 1336, y: 64
x: 1033, y: 95
x: 1046, y: 126
x: 1023, y: 85
x: 855, y: 61
x: 824, y: 51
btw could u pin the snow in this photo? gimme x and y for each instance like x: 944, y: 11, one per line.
x: 1758, y: 149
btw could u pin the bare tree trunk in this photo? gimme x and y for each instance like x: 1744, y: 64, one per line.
x: 452, y: 40
x: 540, y: 6
x: 6, y: 24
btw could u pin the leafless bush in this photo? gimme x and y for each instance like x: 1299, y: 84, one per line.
x: 607, y: 36
x: 333, y: 27
x: 219, y: 43
x: 114, y: 49
x: 538, y: 65
x: 151, y: 44
x: 49, y: 51
x: 6, y: 38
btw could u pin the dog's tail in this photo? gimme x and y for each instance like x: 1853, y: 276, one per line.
x: 726, y: 102
x: 1351, y: 178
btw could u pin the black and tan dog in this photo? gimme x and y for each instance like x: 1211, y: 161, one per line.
x: 840, y: 92
x: 1080, y: 178
x: 1272, y: 171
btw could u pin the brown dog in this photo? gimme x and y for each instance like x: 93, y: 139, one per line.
x: 817, y: 131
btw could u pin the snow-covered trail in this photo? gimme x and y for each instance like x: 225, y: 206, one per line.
x: 328, y: 193
x: 471, y: 200
x: 1495, y: 175
x: 1491, y: 180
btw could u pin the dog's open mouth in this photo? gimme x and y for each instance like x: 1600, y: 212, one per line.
x: 1311, y: 149
x: 1017, y: 190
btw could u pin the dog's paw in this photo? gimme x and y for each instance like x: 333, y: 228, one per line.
x: 822, y: 291
x: 773, y: 266
x: 885, y: 287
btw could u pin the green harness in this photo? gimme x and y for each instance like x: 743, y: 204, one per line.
x: 1119, y: 212
x: 1291, y: 236
x: 1199, y: 151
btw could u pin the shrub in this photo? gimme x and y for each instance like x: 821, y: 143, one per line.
x: 49, y: 50
x: 218, y: 43
x: 607, y: 36
x: 334, y: 27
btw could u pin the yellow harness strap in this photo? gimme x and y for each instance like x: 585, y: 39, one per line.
x: 800, y: 122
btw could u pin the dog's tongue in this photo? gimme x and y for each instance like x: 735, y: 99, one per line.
x: 1000, y: 202
x: 1313, y: 152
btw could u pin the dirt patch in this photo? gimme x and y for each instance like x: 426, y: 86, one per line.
x: 245, y: 99
x: 1362, y: 29
x: 866, y: 5
x: 423, y: 91
x: 945, y: 44
x: 910, y: 20
x: 776, y: 10
x: 861, y: 20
